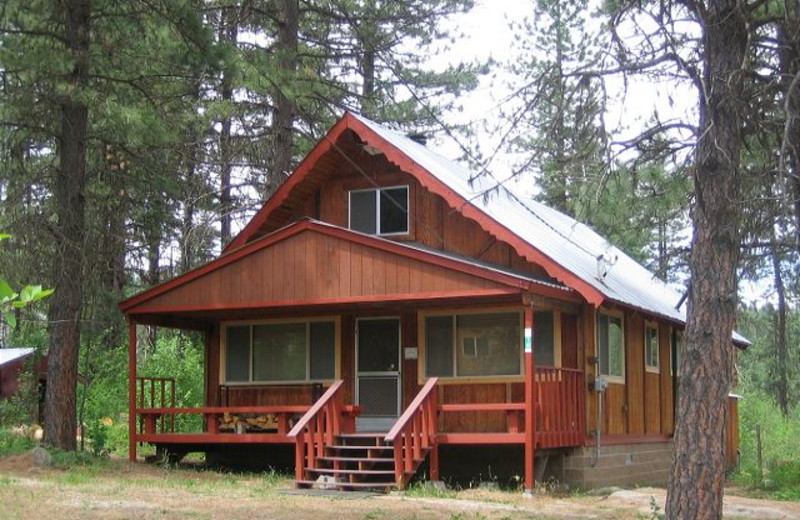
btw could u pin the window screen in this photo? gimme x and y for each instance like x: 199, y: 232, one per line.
x: 497, y: 344
x: 279, y: 352
x: 363, y: 211
x: 237, y: 354
x: 544, y: 339
x: 610, y: 345
x: 323, y: 350
x: 439, y: 346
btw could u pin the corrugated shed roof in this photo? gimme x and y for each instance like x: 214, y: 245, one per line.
x: 567, y: 242
x: 7, y: 355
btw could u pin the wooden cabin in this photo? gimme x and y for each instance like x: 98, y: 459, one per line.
x: 13, y: 364
x: 387, y: 308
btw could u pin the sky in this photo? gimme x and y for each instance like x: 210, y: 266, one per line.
x: 486, y: 35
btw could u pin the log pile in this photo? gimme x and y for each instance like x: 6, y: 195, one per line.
x: 248, y: 422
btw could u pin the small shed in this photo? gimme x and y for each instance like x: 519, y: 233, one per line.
x: 12, y: 363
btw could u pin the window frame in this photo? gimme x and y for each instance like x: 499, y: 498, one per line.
x: 223, y: 350
x: 422, y: 368
x: 615, y: 379
x: 648, y: 326
x: 377, y: 191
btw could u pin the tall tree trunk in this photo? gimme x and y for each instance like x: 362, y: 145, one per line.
x: 228, y: 33
x: 283, y: 113
x: 69, y: 202
x: 698, y: 466
x: 781, y: 357
x: 789, y: 44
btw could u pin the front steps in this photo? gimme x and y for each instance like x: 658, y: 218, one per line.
x: 355, y: 462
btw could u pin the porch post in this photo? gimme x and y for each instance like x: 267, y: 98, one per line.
x: 530, y: 403
x: 131, y: 390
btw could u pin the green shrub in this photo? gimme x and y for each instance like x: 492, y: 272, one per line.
x: 14, y: 443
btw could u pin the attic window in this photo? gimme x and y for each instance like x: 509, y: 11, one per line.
x: 380, y: 211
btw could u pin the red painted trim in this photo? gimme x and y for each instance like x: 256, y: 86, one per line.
x: 518, y: 282
x: 480, y: 438
x: 486, y: 222
x: 215, y: 438
x: 132, y: 391
x: 387, y: 298
x: 481, y: 407
x: 282, y: 193
x: 218, y: 410
x: 429, y: 181
x: 220, y: 262
x: 530, y: 400
x: 619, y: 440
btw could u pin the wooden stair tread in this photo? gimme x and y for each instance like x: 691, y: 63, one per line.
x: 353, y: 471
x: 357, y: 459
x: 347, y: 485
x: 357, y: 448
x: 362, y: 435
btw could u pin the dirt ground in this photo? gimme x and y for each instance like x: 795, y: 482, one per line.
x: 118, y: 490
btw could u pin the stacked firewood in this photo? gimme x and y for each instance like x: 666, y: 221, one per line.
x: 248, y: 422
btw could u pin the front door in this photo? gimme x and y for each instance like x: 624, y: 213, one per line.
x: 378, y: 372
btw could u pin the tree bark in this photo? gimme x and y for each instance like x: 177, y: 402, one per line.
x: 696, y: 482
x: 781, y: 353
x: 283, y: 113
x: 228, y: 33
x: 69, y: 201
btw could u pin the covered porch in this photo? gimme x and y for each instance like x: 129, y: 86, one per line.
x: 389, y: 341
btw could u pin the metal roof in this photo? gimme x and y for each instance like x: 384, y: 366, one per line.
x: 567, y: 242
x: 7, y: 355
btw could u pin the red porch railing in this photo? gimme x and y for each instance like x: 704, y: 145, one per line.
x: 212, y: 418
x: 560, y: 407
x: 318, y: 427
x: 414, y: 435
x: 156, y: 392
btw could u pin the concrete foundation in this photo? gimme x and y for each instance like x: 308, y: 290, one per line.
x: 621, y: 465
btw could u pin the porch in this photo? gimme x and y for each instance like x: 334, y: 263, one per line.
x: 326, y: 441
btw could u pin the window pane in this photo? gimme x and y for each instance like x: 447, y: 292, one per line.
x: 394, y: 210
x: 439, y: 346
x: 497, y: 344
x: 651, y: 347
x: 323, y: 350
x: 602, y: 343
x: 616, y: 354
x: 279, y: 352
x: 363, y: 211
x: 237, y: 352
x: 543, y: 339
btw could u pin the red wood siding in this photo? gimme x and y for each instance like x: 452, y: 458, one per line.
x: 311, y: 266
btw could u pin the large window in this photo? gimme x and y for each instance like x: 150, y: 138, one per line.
x: 473, y: 345
x: 381, y: 211
x: 611, y: 347
x: 651, y: 350
x: 280, y: 352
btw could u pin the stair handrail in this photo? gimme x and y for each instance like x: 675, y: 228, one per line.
x: 317, y: 428
x: 414, y: 433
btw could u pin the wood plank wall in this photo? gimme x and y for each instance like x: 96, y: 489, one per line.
x: 644, y: 404
x: 641, y: 406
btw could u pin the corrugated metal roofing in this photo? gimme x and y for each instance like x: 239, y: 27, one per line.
x: 8, y: 355
x: 567, y: 242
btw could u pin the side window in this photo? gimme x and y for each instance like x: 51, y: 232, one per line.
x: 381, y: 211
x: 611, y: 347
x: 651, y: 350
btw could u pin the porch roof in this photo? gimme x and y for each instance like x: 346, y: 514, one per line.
x: 310, y: 266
